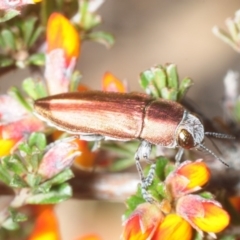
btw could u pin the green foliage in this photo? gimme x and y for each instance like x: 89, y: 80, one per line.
x: 163, y: 82
x: 20, y: 172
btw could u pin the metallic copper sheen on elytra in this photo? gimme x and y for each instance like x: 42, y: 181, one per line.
x: 121, y: 116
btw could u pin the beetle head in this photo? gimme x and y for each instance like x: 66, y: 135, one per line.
x: 190, y: 134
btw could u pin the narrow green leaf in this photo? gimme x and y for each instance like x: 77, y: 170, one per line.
x: 161, y: 189
x: 28, y: 27
x: 9, y: 224
x: 4, y: 174
x: 37, y: 59
x: 172, y: 75
x: 160, y: 77
x: 147, y: 82
x: 33, y: 180
x: 8, y: 38
x: 25, y: 148
x: 6, y: 61
x: 35, y: 36
x: 74, y: 81
x: 14, y: 164
x: 38, y: 139
x: 233, y: 29
x: 170, y: 94
x: 60, y: 178
x: 18, y: 96
x: 236, y: 111
x: 161, y: 163
x: 35, y: 160
x: 102, y: 37
x: 133, y: 201
x: 17, y: 216
x: 53, y: 197
x: 11, y: 13
x: 29, y: 86
x: 122, y: 164
x: 185, y: 84
x: 17, y: 182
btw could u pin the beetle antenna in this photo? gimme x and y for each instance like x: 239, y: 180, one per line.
x: 212, y: 153
x: 219, y: 135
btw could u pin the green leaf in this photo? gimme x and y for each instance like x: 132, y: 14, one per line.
x: 18, y: 96
x: 207, y: 195
x: 29, y: 86
x: 33, y: 180
x: 6, y: 61
x: 35, y: 160
x: 35, y: 36
x: 185, y: 84
x: 8, y: 38
x: 236, y: 111
x: 172, y: 75
x: 11, y: 13
x: 37, y: 59
x: 160, y: 77
x: 28, y: 27
x: 4, y: 173
x: 102, y: 37
x: 170, y: 94
x: 10, y: 224
x: 147, y: 82
x: 24, y: 147
x: 74, y: 81
x: 60, y: 178
x: 169, y: 168
x: 133, y: 201
x: 16, y: 216
x: 161, y: 189
x: 17, y: 182
x: 34, y: 89
x: 122, y: 164
x: 161, y: 163
x: 14, y: 164
x: 37, y: 139
x: 53, y: 197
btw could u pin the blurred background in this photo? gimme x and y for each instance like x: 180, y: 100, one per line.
x: 149, y: 33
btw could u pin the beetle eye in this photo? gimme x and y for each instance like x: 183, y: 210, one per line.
x: 185, y: 139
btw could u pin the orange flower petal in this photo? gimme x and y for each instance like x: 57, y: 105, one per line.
x: 86, y: 159
x: 187, y: 178
x: 214, y: 220
x: 235, y: 201
x: 82, y: 88
x: 112, y: 84
x: 142, y: 223
x: 197, y: 172
x: 173, y: 227
x: 89, y: 237
x: 61, y: 34
x: 6, y: 145
x: 46, y: 225
x: 203, y: 214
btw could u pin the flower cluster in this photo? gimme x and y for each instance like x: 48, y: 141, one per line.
x: 177, y: 211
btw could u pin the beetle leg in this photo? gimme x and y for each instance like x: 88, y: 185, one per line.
x: 93, y: 137
x: 143, y: 152
x: 179, y: 155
